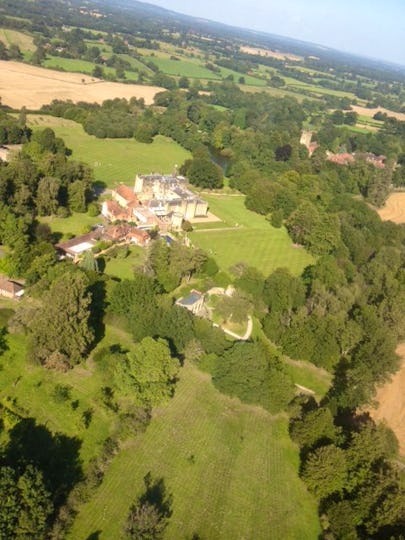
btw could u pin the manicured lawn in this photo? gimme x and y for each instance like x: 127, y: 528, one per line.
x: 231, y: 469
x: 124, y: 268
x: 75, y: 224
x: 115, y: 160
x: 251, y: 240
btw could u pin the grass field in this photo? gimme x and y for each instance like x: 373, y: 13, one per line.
x: 24, y: 41
x: 82, y: 66
x: 247, y: 237
x: 115, y: 160
x: 32, y: 386
x: 231, y: 469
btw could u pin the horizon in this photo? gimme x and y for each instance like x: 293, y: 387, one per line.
x: 317, y: 23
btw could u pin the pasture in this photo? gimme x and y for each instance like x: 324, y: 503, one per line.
x: 74, y: 65
x: 244, y: 236
x: 32, y: 87
x: 115, y: 160
x: 231, y: 469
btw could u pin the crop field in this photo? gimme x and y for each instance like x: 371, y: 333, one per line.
x: 115, y: 160
x: 24, y: 41
x: 247, y: 237
x: 394, y: 208
x: 32, y: 86
x: 231, y: 469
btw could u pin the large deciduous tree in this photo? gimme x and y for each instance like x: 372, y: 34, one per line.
x: 61, y: 324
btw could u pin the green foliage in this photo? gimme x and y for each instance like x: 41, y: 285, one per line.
x: 325, y: 471
x: 147, y: 373
x: 255, y: 375
x: 61, y: 324
x: 203, y: 173
x: 26, y: 504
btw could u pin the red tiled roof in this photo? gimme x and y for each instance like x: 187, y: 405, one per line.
x: 126, y: 193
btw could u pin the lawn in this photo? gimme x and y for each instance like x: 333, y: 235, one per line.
x: 250, y: 239
x: 75, y: 224
x: 115, y: 160
x: 124, y: 268
x: 231, y: 469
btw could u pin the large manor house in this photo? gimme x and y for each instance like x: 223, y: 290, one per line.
x: 155, y: 201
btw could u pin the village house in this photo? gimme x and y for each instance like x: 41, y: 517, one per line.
x: 11, y: 289
x: 76, y: 247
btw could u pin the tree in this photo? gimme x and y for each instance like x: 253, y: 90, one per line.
x: 148, y: 517
x: 148, y: 373
x: 26, y: 504
x: 204, y: 173
x: 48, y: 196
x: 325, y: 471
x: 234, y: 308
x: 62, y: 322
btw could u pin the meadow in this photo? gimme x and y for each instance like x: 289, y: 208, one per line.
x: 115, y: 160
x: 82, y: 66
x: 244, y: 236
x: 231, y: 469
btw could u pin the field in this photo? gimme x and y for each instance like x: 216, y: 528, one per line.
x: 115, y: 160
x: 81, y: 66
x: 364, y: 111
x: 25, y: 42
x: 394, y: 208
x: 30, y: 86
x: 231, y: 469
x: 244, y: 236
x: 391, y: 402
x: 273, y: 54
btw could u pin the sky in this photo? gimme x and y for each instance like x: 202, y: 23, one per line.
x: 373, y: 28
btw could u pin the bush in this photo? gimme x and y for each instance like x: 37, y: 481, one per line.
x: 93, y: 209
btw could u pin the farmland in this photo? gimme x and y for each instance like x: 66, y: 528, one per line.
x: 200, y: 444
x: 247, y: 237
x: 115, y: 160
x: 31, y: 86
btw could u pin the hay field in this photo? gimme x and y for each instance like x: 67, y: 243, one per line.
x: 272, y: 54
x: 31, y: 86
x: 391, y: 402
x: 364, y: 111
x: 394, y: 208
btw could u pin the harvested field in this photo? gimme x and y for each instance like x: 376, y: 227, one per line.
x: 364, y: 111
x: 394, y: 208
x: 272, y: 54
x: 31, y: 86
x: 391, y: 403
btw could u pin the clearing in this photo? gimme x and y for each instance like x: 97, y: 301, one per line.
x: 231, y: 468
x: 391, y: 402
x: 394, y: 208
x: 31, y: 86
x: 115, y: 160
x: 244, y: 236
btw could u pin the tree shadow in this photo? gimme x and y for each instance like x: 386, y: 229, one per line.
x: 156, y: 495
x: 94, y: 536
x: 56, y: 455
